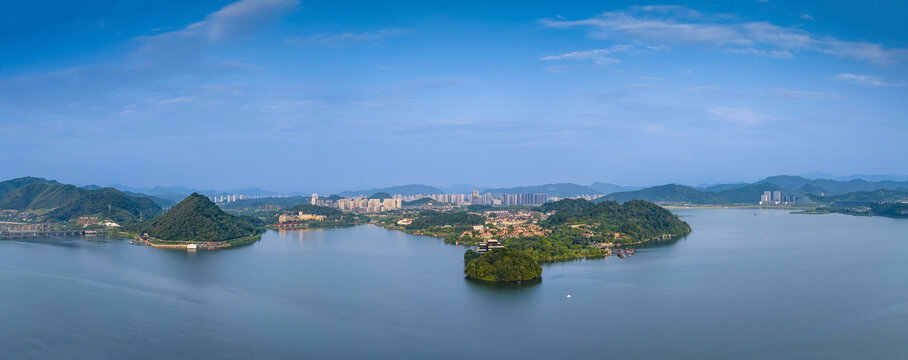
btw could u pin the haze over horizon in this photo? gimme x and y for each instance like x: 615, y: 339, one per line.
x: 306, y: 96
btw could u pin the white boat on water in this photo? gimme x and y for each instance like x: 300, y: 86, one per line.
x: 191, y: 247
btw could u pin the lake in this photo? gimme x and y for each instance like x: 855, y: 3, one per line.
x: 745, y: 284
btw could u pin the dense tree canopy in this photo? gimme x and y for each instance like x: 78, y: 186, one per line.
x: 429, y: 219
x: 197, y: 219
x: 108, y: 203
x: 637, y: 219
x: 503, y: 265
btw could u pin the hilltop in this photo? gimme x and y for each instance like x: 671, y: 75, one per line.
x: 806, y: 190
x: 412, y: 189
x: 637, y: 219
x: 671, y: 192
x: 561, y: 190
x: 197, y: 219
x: 64, y: 202
x: 607, y: 188
x: 107, y: 203
x: 13, y: 184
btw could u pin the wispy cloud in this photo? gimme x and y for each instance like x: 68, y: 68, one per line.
x: 347, y: 37
x: 599, y: 56
x: 234, y: 19
x: 739, y: 116
x: 677, y: 26
x: 704, y: 88
x: 136, y: 77
x: 797, y: 94
x: 866, y: 80
x: 806, y: 17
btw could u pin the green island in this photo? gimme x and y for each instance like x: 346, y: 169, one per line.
x: 502, y: 265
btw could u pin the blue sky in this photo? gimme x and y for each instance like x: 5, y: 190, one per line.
x: 325, y: 96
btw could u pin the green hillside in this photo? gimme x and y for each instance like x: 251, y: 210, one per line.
x: 641, y: 220
x: 197, y: 219
x: 107, y: 203
x: 747, y: 194
x: 876, y: 196
x: 67, y: 202
x: 421, y: 202
x: 10, y: 185
x: 380, y: 195
x: 607, y: 188
x: 37, y: 196
x: 835, y: 186
x: 672, y: 192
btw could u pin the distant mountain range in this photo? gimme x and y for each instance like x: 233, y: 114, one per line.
x: 178, y: 193
x: 807, y: 191
x: 561, y: 190
x: 606, y: 188
x: 412, y: 189
x: 45, y: 196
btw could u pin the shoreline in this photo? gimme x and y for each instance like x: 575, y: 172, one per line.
x: 184, y: 245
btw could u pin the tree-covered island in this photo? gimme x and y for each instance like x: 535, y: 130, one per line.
x: 501, y: 265
x: 558, y: 231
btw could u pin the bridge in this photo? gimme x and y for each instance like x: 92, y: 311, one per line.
x: 16, y: 230
x: 20, y: 226
x: 45, y: 233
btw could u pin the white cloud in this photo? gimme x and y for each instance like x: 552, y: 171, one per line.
x: 600, y: 56
x: 704, y: 88
x: 796, y: 94
x: 867, y: 80
x: 806, y: 17
x: 235, y: 19
x: 740, y: 116
x: 676, y: 26
x: 348, y: 37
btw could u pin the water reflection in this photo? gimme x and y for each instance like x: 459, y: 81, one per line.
x: 502, y: 286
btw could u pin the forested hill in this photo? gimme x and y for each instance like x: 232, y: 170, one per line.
x: 39, y: 196
x: 9, y: 185
x: 672, y: 192
x: 67, y: 202
x: 637, y: 218
x: 197, y: 219
x: 107, y: 203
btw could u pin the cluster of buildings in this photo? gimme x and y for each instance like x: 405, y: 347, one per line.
x: 776, y: 198
x: 359, y: 204
x: 86, y: 221
x: 475, y: 198
x: 229, y: 198
x: 364, y: 204
x: 285, y: 218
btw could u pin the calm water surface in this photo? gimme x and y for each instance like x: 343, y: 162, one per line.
x: 744, y: 284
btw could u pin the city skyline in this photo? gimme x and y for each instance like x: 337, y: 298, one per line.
x: 321, y: 97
